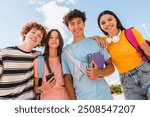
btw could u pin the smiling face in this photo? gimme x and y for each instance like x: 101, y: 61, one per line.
x: 108, y: 23
x: 76, y: 26
x: 34, y: 37
x: 54, y: 40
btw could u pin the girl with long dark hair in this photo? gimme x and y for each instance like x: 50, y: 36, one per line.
x: 134, y: 71
x: 53, y: 89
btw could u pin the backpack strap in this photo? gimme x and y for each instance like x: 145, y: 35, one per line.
x: 40, y: 66
x: 48, y: 66
x: 131, y: 38
x: 79, y: 67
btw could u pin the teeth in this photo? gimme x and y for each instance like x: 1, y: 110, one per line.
x: 76, y: 31
x: 33, y: 40
x: 109, y: 27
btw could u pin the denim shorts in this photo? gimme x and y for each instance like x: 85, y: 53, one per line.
x: 136, y: 82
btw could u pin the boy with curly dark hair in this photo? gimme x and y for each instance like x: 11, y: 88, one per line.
x: 84, y: 83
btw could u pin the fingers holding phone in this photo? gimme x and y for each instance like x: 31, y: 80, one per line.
x: 50, y: 76
x: 50, y: 82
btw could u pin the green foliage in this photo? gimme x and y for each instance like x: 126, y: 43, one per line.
x: 115, y: 88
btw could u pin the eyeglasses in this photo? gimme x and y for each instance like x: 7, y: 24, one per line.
x: 114, y: 39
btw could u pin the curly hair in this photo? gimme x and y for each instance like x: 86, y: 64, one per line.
x: 27, y: 27
x: 74, y: 14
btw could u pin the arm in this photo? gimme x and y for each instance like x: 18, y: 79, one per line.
x: 109, y: 69
x: 45, y: 86
x: 94, y: 73
x: 1, y: 65
x: 146, y: 48
x: 100, y: 40
x: 67, y: 77
x: 36, y: 90
x: 69, y: 86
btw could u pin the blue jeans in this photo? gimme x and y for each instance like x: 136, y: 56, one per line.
x: 136, y: 83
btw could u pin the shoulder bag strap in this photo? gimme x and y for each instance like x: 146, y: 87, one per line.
x: 40, y: 66
x: 131, y: 38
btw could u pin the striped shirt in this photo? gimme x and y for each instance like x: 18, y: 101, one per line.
x: 16, y: 74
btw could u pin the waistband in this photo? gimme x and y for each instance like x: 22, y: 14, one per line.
x: 134, y: 70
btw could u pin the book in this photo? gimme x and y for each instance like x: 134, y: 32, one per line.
x: 98, y: 59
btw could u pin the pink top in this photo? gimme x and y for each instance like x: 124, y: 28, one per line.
x: 58, y: 91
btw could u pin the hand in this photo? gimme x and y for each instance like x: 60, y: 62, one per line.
x: 93, y: 73
x: 49, y: 84
x: 100, y: 41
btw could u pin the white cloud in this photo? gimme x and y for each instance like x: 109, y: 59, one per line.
x: 66, y: 1
x: 40, y: 2
x: 72, y: 1
x: 53, y: 15
x: 60, y: 1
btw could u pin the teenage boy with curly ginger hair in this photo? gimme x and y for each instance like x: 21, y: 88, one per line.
x: 16, y: 64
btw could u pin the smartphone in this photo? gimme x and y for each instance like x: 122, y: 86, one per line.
x: 40, y: 82
x: 51, y: 75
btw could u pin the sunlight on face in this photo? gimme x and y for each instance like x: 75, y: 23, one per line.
x: 108, y: 23
x: 34, y: 37
x: 76, y: 26
x: 54, y: 40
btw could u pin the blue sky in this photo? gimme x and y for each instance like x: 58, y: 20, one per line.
x: 15, y: 13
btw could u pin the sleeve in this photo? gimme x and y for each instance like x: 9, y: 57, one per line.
x: 36, y: 53
x: 35, y: 63
x: 106, y: 54
x: 138, y: 36
x: 1, y: 64
x: 65, y: 64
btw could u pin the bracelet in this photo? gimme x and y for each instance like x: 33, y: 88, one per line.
x: 41, y: 91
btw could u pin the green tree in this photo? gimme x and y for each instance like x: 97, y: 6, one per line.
x: 115, y: 88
